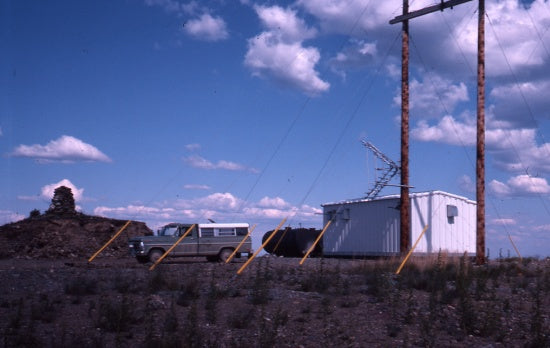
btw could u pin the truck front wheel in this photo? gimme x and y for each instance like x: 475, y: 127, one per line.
x: 154, y: 255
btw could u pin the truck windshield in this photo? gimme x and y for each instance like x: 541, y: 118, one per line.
x: 169, y: 231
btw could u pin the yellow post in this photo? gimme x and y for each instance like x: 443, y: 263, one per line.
x: 412, y: 249
x: 280, y: 239
x: 172, y: 247
x: 514, y: 245
x: 316, y: 241
x: 110, y: 241
x: 260, y: 249
x: 240, y: 245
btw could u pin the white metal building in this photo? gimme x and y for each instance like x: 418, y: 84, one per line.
x: 372, y: 227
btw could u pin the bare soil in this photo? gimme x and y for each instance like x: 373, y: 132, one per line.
x: 274, y: 302
x: 53, y: 297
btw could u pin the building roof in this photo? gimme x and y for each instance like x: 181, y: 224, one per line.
x: 411, y: 195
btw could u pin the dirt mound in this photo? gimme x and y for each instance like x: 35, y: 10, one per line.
x: 66, y: 235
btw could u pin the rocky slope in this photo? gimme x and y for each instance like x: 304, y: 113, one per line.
x: 72, y: 235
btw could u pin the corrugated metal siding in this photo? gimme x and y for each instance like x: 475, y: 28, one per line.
x: 360, y: 228
x: 456, y: 235
x: 372, y: 227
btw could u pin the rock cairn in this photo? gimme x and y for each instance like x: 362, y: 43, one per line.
x: 62, y: 202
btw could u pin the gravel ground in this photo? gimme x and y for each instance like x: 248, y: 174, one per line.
x: 275, y: 302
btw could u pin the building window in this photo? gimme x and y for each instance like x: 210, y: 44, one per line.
x: 452, y: 211
x: 345, y: 214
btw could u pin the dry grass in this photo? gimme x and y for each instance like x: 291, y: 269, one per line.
x: 436, y: 301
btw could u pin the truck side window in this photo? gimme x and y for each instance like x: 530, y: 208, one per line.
x: 194, y: 232
x: 170, y: 231
x: 224, y: 232
x: 242, y: 231
x: 207, y: 232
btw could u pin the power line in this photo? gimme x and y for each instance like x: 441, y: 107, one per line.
x: 530, y: 112
x: 352, y: 116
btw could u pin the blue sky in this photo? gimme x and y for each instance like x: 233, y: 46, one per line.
x: 166, y: 110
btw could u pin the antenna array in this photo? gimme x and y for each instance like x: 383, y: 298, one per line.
x: 388, y: 172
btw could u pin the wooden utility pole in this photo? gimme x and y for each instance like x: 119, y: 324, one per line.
x: 405, y: 210
x: 480, y: 148
x: 404, y: 213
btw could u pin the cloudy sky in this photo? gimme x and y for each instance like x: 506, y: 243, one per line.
x: 167, y: 110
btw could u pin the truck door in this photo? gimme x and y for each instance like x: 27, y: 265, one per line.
x: 208, y: 245
x: 189, y: 245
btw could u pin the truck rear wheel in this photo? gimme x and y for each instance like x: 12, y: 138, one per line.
x: 224, y: 254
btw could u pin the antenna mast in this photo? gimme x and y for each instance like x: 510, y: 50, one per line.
x: 389, y: 172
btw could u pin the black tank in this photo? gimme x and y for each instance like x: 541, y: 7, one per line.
x: 293, y: 242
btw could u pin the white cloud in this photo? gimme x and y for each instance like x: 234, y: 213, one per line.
x: 7, y: 216
x: 466, y: 184
x: 447, y: 131
x: 393, y: 71
x: 521, y: 185
x: 196, y: 187
x: 66, y: 149
x: 294, y: 213
x: 218, y: 201
x: 512, y: 150
x: 275, y: 202
x: 356, y: 55
x: 203, y: 27
x: 193, y: 147
x: 279, y: 54
x: 48, y: 190
x: 522, y: 103
x: 516, y: 26
x: 350, y: 16
x: 447, y: 40
x: 173, y: 6
x: 168, y: 5
x: 503, y: 222
x: 197, y: 161
x: 434, y: 96
x: 137, y: 211
x: 529, y: 185
x: 516, y: 150
x: 222, y: 164
x: 218, y: 206
x: 207, y: 28
x: 266, y: 213
x: 284, y: 23
x: 499, y: 189
x: 542, y: 228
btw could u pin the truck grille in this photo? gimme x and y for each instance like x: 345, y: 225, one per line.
x: 135, y: 247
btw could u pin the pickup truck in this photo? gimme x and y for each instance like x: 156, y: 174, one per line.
x: 216, y: 241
